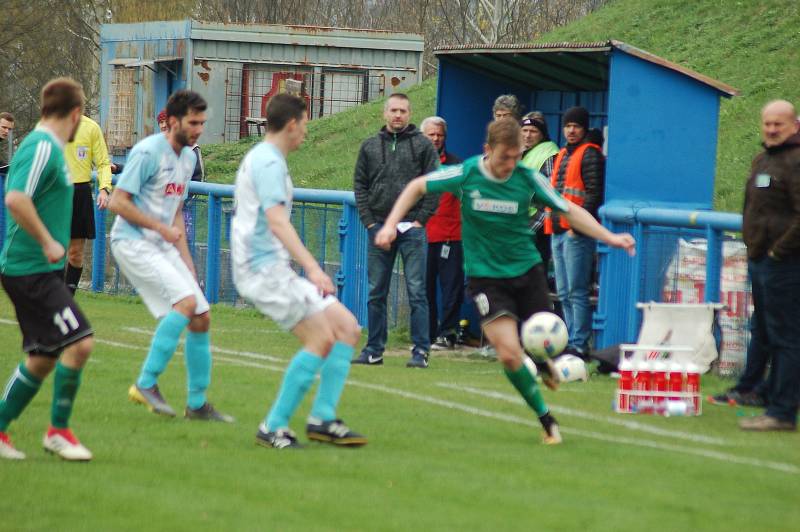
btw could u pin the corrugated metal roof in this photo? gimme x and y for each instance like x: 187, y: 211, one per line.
x: 308, y: 36
x: 574, y: 66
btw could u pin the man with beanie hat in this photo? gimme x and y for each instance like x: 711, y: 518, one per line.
x: 579, y: 175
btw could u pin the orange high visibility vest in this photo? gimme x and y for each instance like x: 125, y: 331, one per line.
x: 574, y: 190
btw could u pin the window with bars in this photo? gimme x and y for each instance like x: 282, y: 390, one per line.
x: 327, y: 92
x: 122, y: 108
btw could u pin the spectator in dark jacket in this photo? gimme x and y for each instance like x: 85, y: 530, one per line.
x: 771, y: 231
x: 579, y: 175
x: 386, y: 163
x: 445, y: 253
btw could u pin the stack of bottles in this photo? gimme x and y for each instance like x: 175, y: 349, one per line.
x: 658, y: 387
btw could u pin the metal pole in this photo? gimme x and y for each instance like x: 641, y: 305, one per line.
x: 213, y: 249
x: 99, y: 250
x: 713, y: 265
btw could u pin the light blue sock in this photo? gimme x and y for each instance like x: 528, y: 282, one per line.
x: 296, y: 381
x: 332, y: 378
x: 198, y: 367
x: 165, y: 340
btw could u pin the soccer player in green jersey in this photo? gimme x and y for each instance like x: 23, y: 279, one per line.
x: 506, y: 277
x: 39, y: 201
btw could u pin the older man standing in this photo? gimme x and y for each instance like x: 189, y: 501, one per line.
x: 771, y: 230
x: 386, y: 163
x: 445, y: 253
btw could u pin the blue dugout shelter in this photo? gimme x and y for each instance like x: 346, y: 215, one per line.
x: 659, y: 120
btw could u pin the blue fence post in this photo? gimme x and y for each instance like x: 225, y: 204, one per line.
x: 353, y: 273
x: 713, y: 265
x: 99, y: 250
x: 636, y: 289
x: 341, y: 274
x: 213, y: 249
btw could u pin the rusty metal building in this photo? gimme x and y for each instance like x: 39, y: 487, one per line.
x: 238, y: 67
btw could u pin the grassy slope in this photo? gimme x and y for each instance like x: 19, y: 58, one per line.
x: 328, y: 157
x: 750, y: 44
x: 433, y: 462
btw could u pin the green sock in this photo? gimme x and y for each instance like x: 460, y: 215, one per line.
x: 65, y: 387
x: 19, y: 391
x: 526, y: 385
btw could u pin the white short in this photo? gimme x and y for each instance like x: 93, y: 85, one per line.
x: 159, y: 275
x: 282, y: 295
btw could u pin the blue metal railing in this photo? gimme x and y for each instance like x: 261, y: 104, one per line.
x: 326, y: 218
x: 350, y: 270
x: 625, y: 282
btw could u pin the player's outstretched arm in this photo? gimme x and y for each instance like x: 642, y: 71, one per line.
x: 407, y: 199
x: 121, y: 204
x: 22, y: 209
x: 282, y: 228
x: 585, y: 223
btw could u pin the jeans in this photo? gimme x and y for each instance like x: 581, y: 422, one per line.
x: 412, y: 246
x: 572, y: 261
x: 776, y: 297
x: 758, y: 351
x: 449, y: 272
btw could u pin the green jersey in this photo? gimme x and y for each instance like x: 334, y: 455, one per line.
x: 495, y: 227
x: 38, y: 170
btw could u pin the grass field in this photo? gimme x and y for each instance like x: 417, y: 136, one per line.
x: 451, y: 448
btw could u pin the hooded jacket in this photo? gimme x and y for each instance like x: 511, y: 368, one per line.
x: 771, y: 218
x: 386, y: 163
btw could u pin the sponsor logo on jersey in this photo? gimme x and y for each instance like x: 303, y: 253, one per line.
x: 475, y: 194
x: 83, y: 152
x: 494, y: 205
x: 174, y: 189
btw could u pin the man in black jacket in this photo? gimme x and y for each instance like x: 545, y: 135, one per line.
x: 386, y: 163
x: 771, y: 231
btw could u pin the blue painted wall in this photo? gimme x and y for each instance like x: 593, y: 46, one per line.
x: 465, y: 99
x: 662, y: 144
x: 469, y: 111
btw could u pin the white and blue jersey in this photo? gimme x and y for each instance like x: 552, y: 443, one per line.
x: 262, y: 182
x: 158, y: 180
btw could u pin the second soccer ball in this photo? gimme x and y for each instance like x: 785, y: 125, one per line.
x: 544, y: 335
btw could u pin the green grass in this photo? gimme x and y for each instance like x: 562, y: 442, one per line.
x: 441, y: 457
x: 749, y: 44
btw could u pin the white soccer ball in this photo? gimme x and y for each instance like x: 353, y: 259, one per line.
x: 571, y: 368
x: 544, y: 335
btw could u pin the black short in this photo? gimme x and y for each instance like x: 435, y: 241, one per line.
x: 82, y: 212
x: 48, y: 316
x: 516, y: 297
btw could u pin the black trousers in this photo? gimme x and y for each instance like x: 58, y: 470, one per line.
x: 445, y: 266
x: 775, y: 334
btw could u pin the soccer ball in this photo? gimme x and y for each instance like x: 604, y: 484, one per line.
x: 544, y: 335
x: 571, y: 368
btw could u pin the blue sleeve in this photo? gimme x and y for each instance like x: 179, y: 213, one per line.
x: 139, y: 168
x: 269, y: 180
